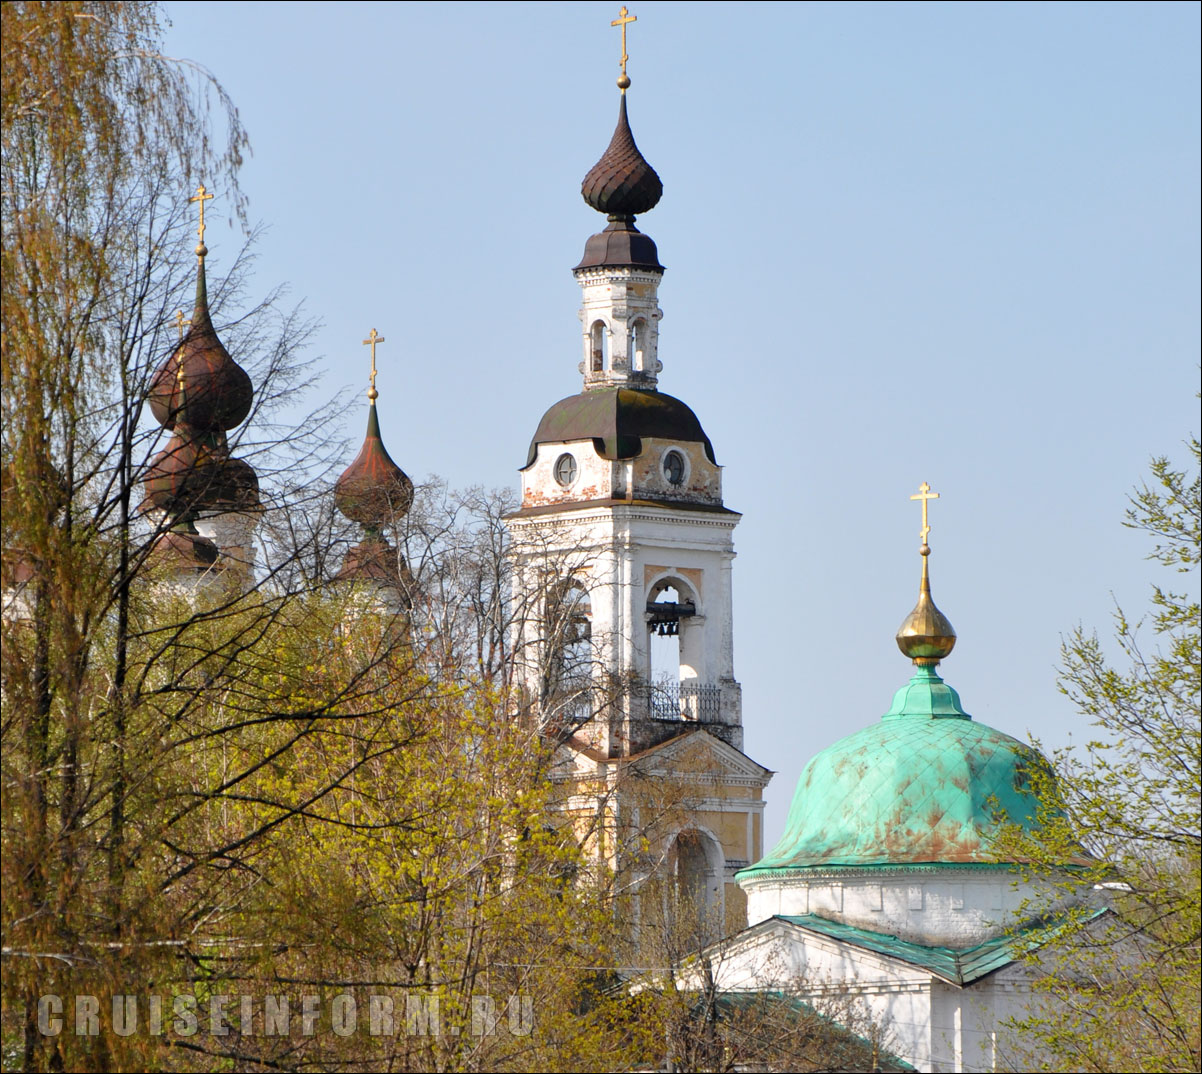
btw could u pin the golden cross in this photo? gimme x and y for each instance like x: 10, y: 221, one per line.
x: 371, y: 341
x: 623, y: 18
x: 180, y: 322
x: 925, y: 494
x: 202, y: 197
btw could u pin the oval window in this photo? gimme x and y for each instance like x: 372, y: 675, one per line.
x: 674, y: 468
x: 565, y: 469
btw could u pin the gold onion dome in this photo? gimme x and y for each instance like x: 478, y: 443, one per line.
x: 926, y: 635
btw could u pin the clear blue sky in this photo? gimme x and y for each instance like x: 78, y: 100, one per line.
x: 905, y: 242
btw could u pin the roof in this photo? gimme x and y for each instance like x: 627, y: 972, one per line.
x: 373, y: 490
x: 925, y: 785
x: 621, y: 245
x: 959, y: 966
x: 617, y: 420
x: 622, y: 183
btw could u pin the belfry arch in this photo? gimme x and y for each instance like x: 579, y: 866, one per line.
x: 674, y: 611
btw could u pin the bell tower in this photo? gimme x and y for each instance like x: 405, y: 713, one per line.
x: 623, y: 553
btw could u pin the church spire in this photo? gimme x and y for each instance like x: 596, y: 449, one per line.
x: 620, y: 271
x: 199, y: 394
x: 375, y: 492
x: 926, y: 635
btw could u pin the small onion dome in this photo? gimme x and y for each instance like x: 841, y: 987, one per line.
x: 617, y: 420
x: 622, y: 183
x: 183, y: 550
x: 195, y: 474
x: 373, y: 490
x: 200, y: 384
x: 926, y: 635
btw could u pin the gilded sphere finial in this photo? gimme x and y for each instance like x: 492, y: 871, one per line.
x: 926, y: 636
x: 623, y: 82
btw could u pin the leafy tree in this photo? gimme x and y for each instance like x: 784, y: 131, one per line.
x: 1125, y: 988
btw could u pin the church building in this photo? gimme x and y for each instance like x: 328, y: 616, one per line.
x: 888, y: 888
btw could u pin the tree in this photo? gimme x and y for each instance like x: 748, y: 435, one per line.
x: 1124, y: 989
x: 114, y: 697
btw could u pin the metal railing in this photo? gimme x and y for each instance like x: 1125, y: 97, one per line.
x: 684, y: 701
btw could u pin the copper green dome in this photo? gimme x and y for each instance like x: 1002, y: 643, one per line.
x: 927, y: 785
x: 616, y: 420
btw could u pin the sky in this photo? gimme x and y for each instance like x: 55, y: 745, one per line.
x: 904, y: 242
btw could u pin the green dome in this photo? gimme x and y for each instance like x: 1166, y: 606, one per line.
x: 925, y: 786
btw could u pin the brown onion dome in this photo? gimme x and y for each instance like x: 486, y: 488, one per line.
x: 622, y: 183
x: 195, y: 473
x: 374, y: 559
x: 200, y: 384
x: 183, y: 549
x: 373, y: 490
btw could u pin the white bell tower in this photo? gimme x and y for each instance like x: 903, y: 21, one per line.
x: 623, y: 552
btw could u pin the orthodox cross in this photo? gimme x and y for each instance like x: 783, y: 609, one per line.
x: 180, y: 322
x: 371, y: 341
x: 201, y: 197
x: 623, y: 18
x: 924, y: 494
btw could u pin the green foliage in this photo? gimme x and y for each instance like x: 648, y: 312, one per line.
x: 1125, y: 990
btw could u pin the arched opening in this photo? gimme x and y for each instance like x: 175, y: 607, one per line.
x: 664, y: 641
x: 695, y: 863
x: 599, y: 338
x: 638, y: 345
x: 676, y: 655
x: 568, y: 664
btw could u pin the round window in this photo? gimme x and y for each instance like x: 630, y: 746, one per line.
x: 565, y: 469
x: 674, y: 468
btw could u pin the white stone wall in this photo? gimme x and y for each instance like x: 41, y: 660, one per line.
x: 620, y: 555
x: 946, y: 907
x: 932, y: 1024
x: 624, y: 302
x: 234, y: 536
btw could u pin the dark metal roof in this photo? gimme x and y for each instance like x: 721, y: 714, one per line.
x: 195, y: 473
x: 621, y: 244
x: 616, y: 420
x: 200, y: 385
x: 373, y: 490
x: 622, y: 183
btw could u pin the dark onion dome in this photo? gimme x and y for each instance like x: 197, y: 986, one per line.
x: 620, y: 244
x: 617, y: 420
x: 622, y: 183
x: 200, y: 384
x: 373, y: 490
x: 373, y: 559
x: 183, y: 549
x: 195, y: 473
